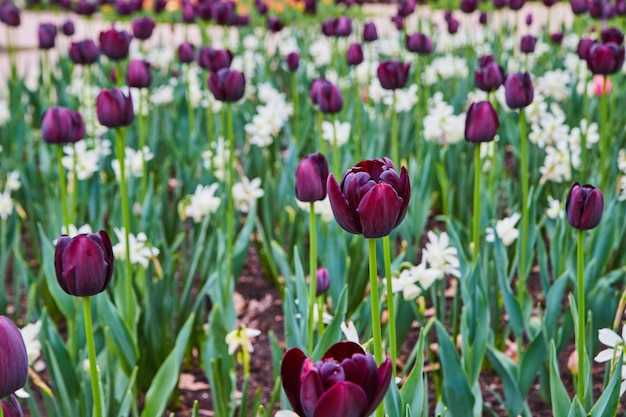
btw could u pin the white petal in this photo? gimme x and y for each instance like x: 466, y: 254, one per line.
x: 605, y: 356
x: 609, y: 338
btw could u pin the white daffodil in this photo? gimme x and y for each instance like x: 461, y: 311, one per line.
x: 6, y: 205
x: 440, y: 255
x: 246, y: 192
x: 241, y: 337
x: 203, y: 202
x: 141, y: 252
x: 338, y: 135
x: 350, y: 332
x: 505, y: 229
x: 413, y: 281
x: 554, y: 208
x: 613, y: 342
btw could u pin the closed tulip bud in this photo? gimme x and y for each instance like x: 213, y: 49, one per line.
x: 241, y: 20
x: 489, y: 76
x: 186, y: 52
x: 11, y: 407
x: 584, y: 206
x: 322, y: 281
x: 138, y: 74
x: 557, y: 37
x: 605, y: 58
x: 529, y: 19
x: 214, y: 59
x: 483, y: 18
x: 115, y: 44
x: 293, y: 61
x: 9, y: 14
x: 406, y: 8
x: 549, y: 3
x: 370, y: 34
x: 612, y: 35
x: 393, y: 74
x: 453, y: 26
x: 204, y: 10
x: 159, y: 6
x: 84, y: 264
x: 328, y: 26
x: 227, y: 85
x: 516, y: 4
x: 86, y: 8
x: 315, y: 89
x: 124, y: 7
x: 310, y: 6
x: 620, y: 8
x: 343, y: 27
x: 346, y: 381
x: 311, y: 177
x: 372, y: 198
x: 114, y: 109
x: 481, y: 122
x: 46, y: 35
x: 84, y: 52
x: 68, y: 28
x: 223, y: 12
x: 584, y: 46
x: 143, y: 27
x: 419, y: 43
x: 61, y: 125
x: 188, y: 14
x: 398, y: 22
x: 261, y: 7
x: 329, y: 98
x: 578, y: 6
x: 274, y: 24
x: 519, y: 90
x: 13, y: 358
x: 469, y: 6
x: 499, y: 4
x: 527, y: 44
x: 354, y: 55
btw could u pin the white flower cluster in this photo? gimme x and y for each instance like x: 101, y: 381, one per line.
x: 621, y: 165
x: 246, y: 192
x: 5, y: 113
x: 337, y: 135
x: 441, y: 125
x: 615, y: 349
x: 321, y: 207
x: 141, y: 252
x: 202, y: 203
x: 86, y: 94
x: 270, y: 116
x: 85, y: 156
x: 445, y: 68
x: 133, y: 162
x: 199, y: 96
x: 405, y: 98
x: 215, y: 159
x: 505, y: 229
x: 11, y: 184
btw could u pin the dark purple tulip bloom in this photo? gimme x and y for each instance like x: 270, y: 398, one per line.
x: 86, y: 8
x: 68, y: 28
x: 557, y: 37
x: 398, y: 22
x: 605, y: 58
x: 584, y: 206
x: 323, y: 281
x: 406, y: 8
x: 453, y: 26
x: 372, y: 198
x: 489, y: 76
x: 114, y: 109
x: 11, y: 407
x: 481, y: 123
x: 241, y: 20
x: 516, y: 4
x: 527, y: 44
x: 214, y: 59
x: 293, y: 61
x: 578, y: 6
x: 370, y: 33
x: 84, y: 264
x: 84, y: 52
x: 483, y: 18
x: 186, y: 52
x: 274, y: 24
x: 138, y: 74
x: 328, y: 26
x: 46, y: 34
x: 13, y: 358
x: 114, y: 44
x: 469, y: 6
x: 124, y: 7
x: 529, y: 19
x: 419, y: 43
x: 223, y: 12
x: 354, y: 55
x: 204, y: 10
x: 584, y: 46
x: 310, y: 6
x: 598, y: 9
x: 143, y: 27
x: 343, y: 27
x: 311, y: 177
x: 188, y: 14
x: 620, y: 8
x: 345, y: 383
x: 329, y: 98
x: 261, y: 7
x: 393, y: 74
x: 519, y: 91
x: 227, y: 85
x: 314, y: 90
x: 61, y: 125
x: 159, y: 6
x: 612, y: 35
x: 499, y: 4
x: 9, y: 14
x: 549, y: 3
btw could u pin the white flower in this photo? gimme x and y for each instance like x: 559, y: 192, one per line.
x: 86, y: 161
x: 6, y: 205
x: 250, y: 42
x: 240, y: 337
x: 30, y: 334
x: 349, y: 331
x: 74, y: 231
x: 441, y: 125
x: 440, y: 255
x: 406, y: 99
x: 246, y: 192
x: 505, y: 229
x: 557, y: 166
x: 259, y: 132
x: 622, y: 187
x: 321, y: 52
x: 13, y: 181
x: 613, y: 341
x: 216, y: 158
x: 285, y: 413
x: 140, y: 250
x: 339, y: 135
x: 621, y: 160
x: 321, y: 207
x: 413, y: 281
x: 203, y: 202
x: 133, y: 162
x: 554, y: 208
x: 5, y: 113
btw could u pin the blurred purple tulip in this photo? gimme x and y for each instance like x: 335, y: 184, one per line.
x: 223, y: 12
x: 612, y: 35
x: 584, y: 46
x: 393, y: 74
x: 516, y: 4
x: 481, y: 122
x: 419, y: 43
x: 114, y: 44
x: 138, y: 74
x: 489, y: 76
x: 314, y: 90
x: 114, y: 109
x: 274, y: 24
x: 370, y: 34
x: 323, y: 281
x: 529, y: 19
x: 453, y: 26
x: 46, y: 34
x: 310, y: 6
x: 605, y: 58
x: 469, y: 6
x: 293, y: 61
x: 483, y: 18
x: 85, y: 52
x: 519, y: 91
x: 186, y: 52
x: 579, y: 7
x: 584, y: 206
x: 68, y: 28
x: 214, y: 59
x: 311, y: 177
x: 86, y: 8
x: 13, y: 358
x: 61, y: 125
x: 143, y: 27
x: 9, y: 13
x: 527, y: 44
x: 227, y: 85
x: 188, y: 14
x: 11, y: 407
x: 406, y: 8
x: 354, y: 54
x: 329, y: 98
x: 499, y: 4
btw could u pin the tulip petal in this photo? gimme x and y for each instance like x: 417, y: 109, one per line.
x: 379, y: 210
x: 344, y: 399
x: 343, y: 350
x: 404, y: 191
x: 290, y: 370
x: 592, y: 212
x: 384, y: 379
x: 340, y: 208
x: 83, y: 260
x: 362, y: 370
x: 311, y: 390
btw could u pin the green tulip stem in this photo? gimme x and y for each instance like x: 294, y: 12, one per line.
x: 443, y: 181
x: 336, y: 165
x: 395, y: 154
x: 93, y: 366
x: 312, y: 272
x: 1, y: 411
x: 296, y: 114
x: 73, y: 208
x: 390, y: 304
x: 209, y: 118
x: 357, y: 122
x: 94, y: 116
x: 320, y: 143
x: 583, y: 139
x: 230, y: 224
x: 604, y: 142
x: 378, y: 344
x: 63, y: 187
x: 11, y: 54
x: 580, y: 339
x: 476, y: 221
x: 190, y: 109
x: 141, y: 130
x: 418, y: 113
x: 119, y: 71
x: 128, y: 279
x: 521, y: 279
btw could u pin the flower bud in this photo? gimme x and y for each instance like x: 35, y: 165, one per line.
x: 557, y: 37
x: 85, y: 8
x: 223, y: 12
x: 114, y: 109
x: 293, y: 61
x: 393, y: 74
x: 584, y: 46
x: 527, y: 44
x: 84, y: 52
x: 516, y: 4
x: 310, y: 6
x: 469, y: 6
x: 419, y: 43
x: 138, y: 74
x: 115, y: 44
x: 46, y: 34
x: 481, y: 122
x: 584, y: 206
x: 9, y: 14
x: 274, y: 24
x: 519, y: 90
x: 311, y: 177
x: 489, y: 76
x: 406, y: 8
x: 143, y: 27
x: 453, y: 26
x: 322, y: 281
x: 354, y: 55
x: 529, y: 19
x: 499, y: 4
x: 329, y: 98
x: 61, y: 125
x: 261, y: 7
x: 605, y: 58
x: 188, y: 15
x: 370, y: 33
x: 186, y: 52
x: 578, y: 6
x: 11, y: 407
x: 84, y: 264
x: 13, y: 358
x: 483, y: 18
x: 612, y: 35
x: 214, y: 59
x: 68, y: 28
x: 227, y: 85
x: 343, y: 27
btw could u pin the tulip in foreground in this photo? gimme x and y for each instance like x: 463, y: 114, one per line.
x: 227, y: 85
x: 584, y: 206
x: 345, y: 383
x: 13, y: 358
x: 61, y: 125
x: 114, y: 109
x: 481, y: 123
x: 11, y: 408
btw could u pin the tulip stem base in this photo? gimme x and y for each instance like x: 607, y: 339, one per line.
x: 313, y: 275
x: 63, y: 187
x: 521, y: 279
x: 93, y: 366
x: 230, y: 226
x: 378, y: 344
x: 580, y: 337
x: 476, y: 220
x: 390, y: 304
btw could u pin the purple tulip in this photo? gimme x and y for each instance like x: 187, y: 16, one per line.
x: 9, y: 14
x: 314, y: 90
x: 345, y: 382
x: 489, y: 76
x: 453, y: 26
x: 84, y: 52
x: 419, y: 43
x: 84, y: 264
x: 516, y: 4
x: 138, y: 74
x: 143, y: 27
x: 529, y: 19
x: 527, y: 44
x: 11, y: 407
x: 227, y: 85
x: 469, y: 6
x: 261, y: 7
x: 310, y: 6
x: 393, y: 74
x: 223, y: 12
x: 46, y: 35
x: 481, y: 123
x: 329, y: 98
x: 549, y: 3
x: 115, y: 44
x: 557, y: 37
x: 584, y: 206
x: 370, y: 34
x: 61, y: 125
x: 293, y: 61
x: 612, y: 35
x: 186, y: 52
x: 483, y: 18
x: 620, y: 8
x: 605, y: 58
x: 328, y: 26
x: 499, y: 4
x: 124, y: 7
x: 85, y: 8
x: 584, y: 46
x: 159, y: 6
x: 322, y: 281
x: 214, y: 59
x: 13, y: 358
x: 406, y: 8
x: 114, y: 109
x: 311, y: 177
x: 372, y: 198
x: 598, y: 9
x: 354, y: 55
x: 68, y: 28
x: 204, y: 10
x: 343, y: 27
x: 274, y: 24
x: 578, y: 6
x: 519, y: 90
x: 188, y: 14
